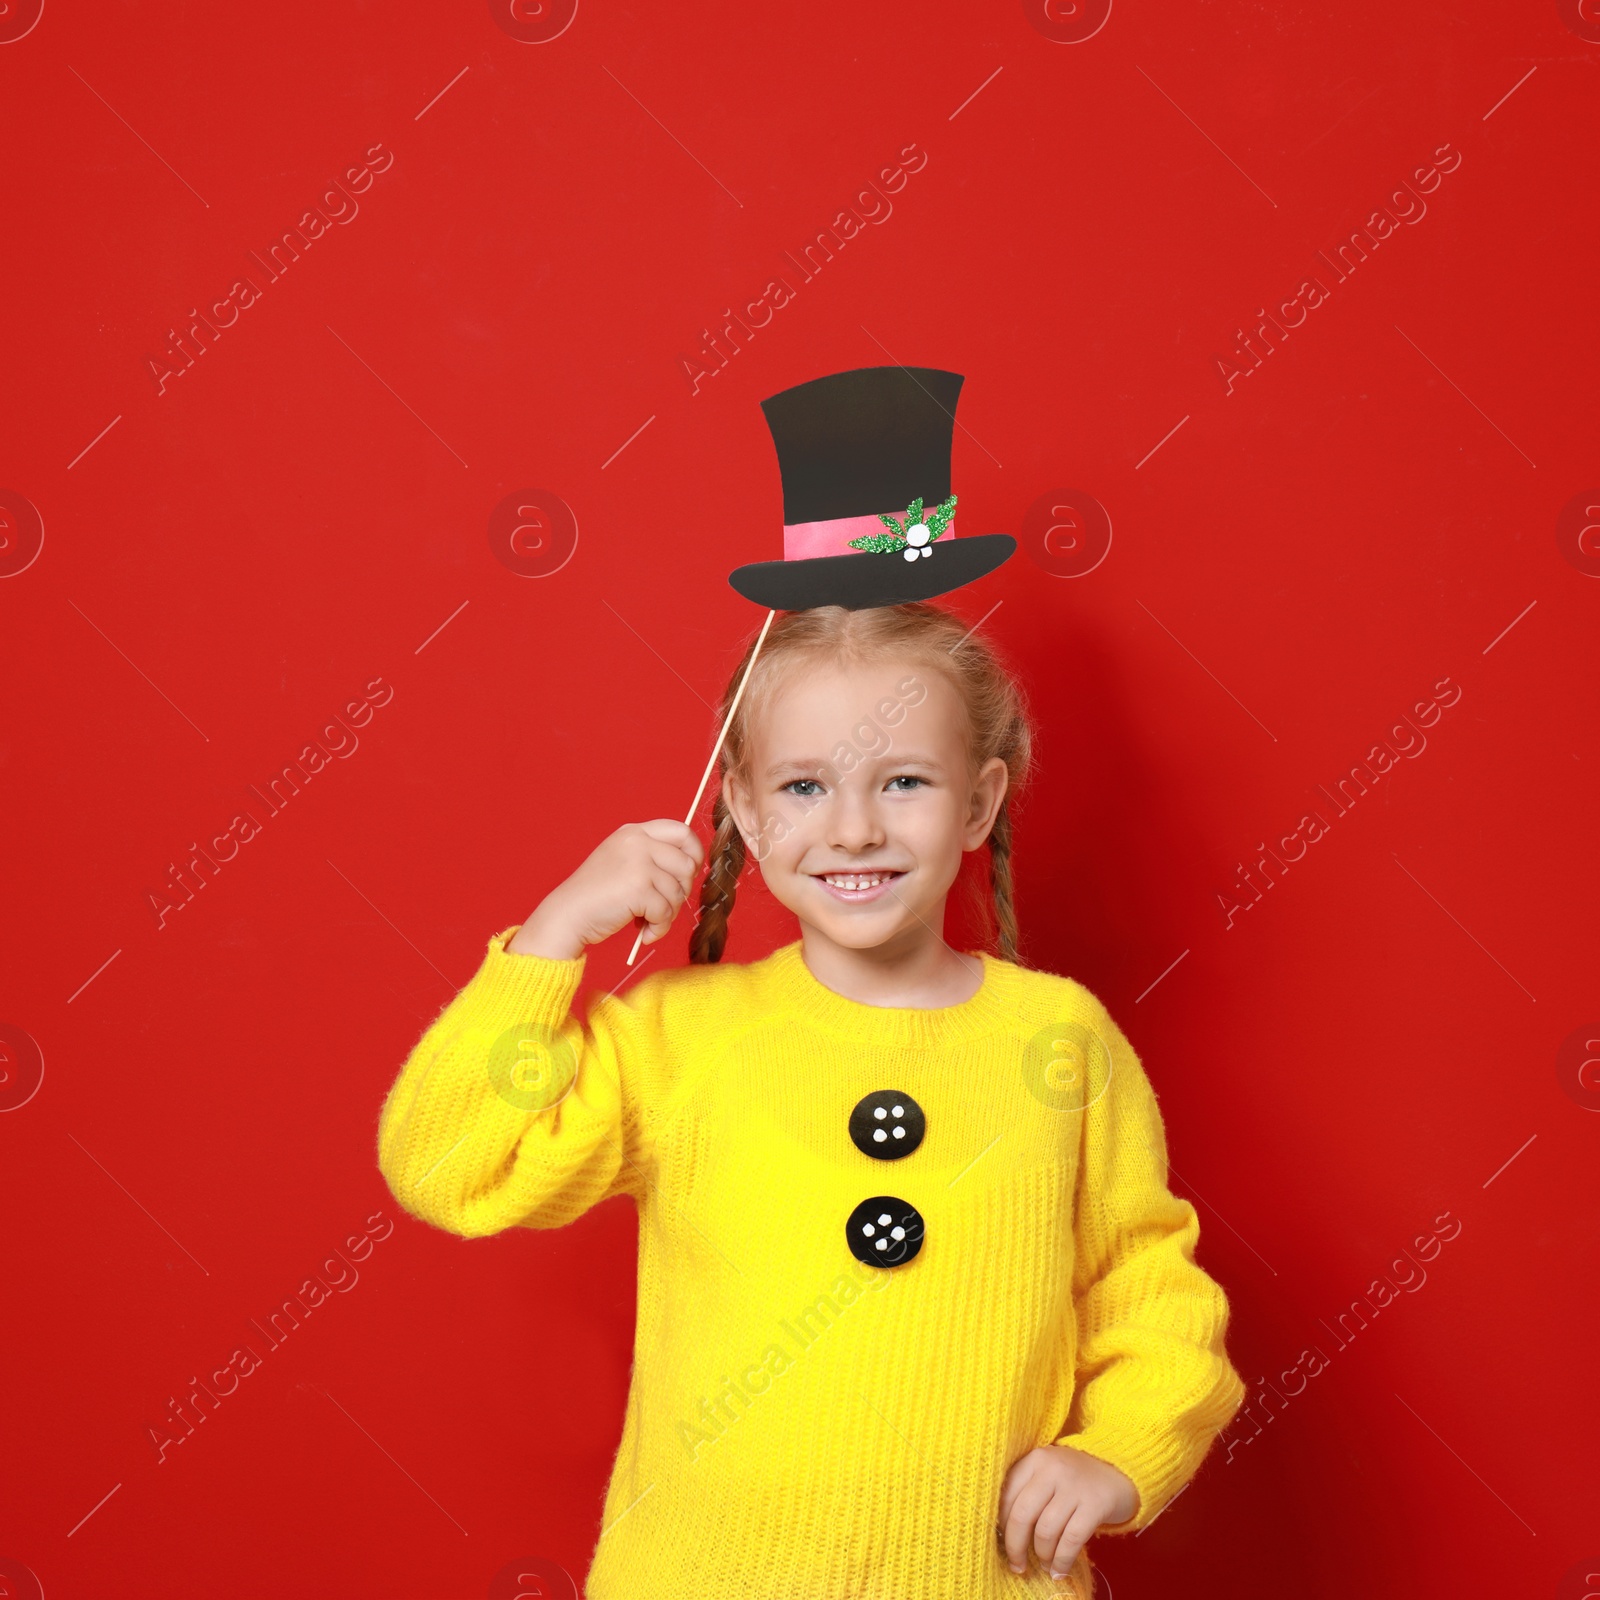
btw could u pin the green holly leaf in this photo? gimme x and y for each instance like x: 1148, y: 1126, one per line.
x: 914, y: 513
x: 878, y: 543
x: 889, y: 523
x: 939, y: 518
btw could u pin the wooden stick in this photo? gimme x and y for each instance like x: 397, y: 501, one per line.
x: 705, y: 777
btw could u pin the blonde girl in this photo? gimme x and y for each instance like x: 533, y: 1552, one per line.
x: 917, y: 1313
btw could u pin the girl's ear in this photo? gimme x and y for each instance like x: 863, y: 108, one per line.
x: 738, y: 803
x: 988, y: 790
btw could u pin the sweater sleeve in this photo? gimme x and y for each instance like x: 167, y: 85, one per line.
x: 510, y: 1110
x: 1155, y: 1385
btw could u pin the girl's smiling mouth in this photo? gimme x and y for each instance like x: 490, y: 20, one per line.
x: 857, y: 886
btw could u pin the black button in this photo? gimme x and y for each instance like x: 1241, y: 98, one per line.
x: 887, y: 1125
x: 884, y: 1231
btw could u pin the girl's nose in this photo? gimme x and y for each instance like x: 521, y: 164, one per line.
x: 854, y: 823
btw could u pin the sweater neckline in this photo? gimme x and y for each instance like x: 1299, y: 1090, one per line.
x: 991, y: 1007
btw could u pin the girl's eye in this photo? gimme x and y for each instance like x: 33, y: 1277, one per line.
x: 789, y: 787
x: 907, y: 777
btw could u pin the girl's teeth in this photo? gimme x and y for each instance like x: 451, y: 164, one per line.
x: 857, y: 882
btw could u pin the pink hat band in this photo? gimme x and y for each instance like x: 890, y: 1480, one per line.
x: 803, y: 541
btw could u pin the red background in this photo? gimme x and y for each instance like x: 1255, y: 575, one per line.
x: 1377, y: 1043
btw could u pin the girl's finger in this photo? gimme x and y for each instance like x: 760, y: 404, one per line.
x: 1030, y: 1501
x: 658, y: 911
x: 1074, y: 1536
x: 1051, y: 1523
x: 668, y: 884
x: 671, y: 859
x: 678, y: 833
x: 1021, y: 1470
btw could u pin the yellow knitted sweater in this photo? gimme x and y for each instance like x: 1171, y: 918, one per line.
x: 807, y: 1423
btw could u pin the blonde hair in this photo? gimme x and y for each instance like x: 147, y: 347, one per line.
x: 917, y: 633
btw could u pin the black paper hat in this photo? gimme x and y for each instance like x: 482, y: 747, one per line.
x: 867, y: 508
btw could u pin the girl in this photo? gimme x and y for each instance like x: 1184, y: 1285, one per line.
x: 917, y: 1313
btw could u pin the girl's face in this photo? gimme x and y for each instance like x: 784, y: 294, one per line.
x: 860, y: 806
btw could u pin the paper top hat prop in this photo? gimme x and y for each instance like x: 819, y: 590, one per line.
x: 868, y: 517
x: 864, y: 456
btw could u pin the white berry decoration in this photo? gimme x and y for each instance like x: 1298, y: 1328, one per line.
x: 918, y: 534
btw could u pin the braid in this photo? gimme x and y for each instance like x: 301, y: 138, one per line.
x: 719, y: 887
x: 1000, y: 882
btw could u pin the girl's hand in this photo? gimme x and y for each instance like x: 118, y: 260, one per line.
x: 1053, y: 1499
x: 644, y: 869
